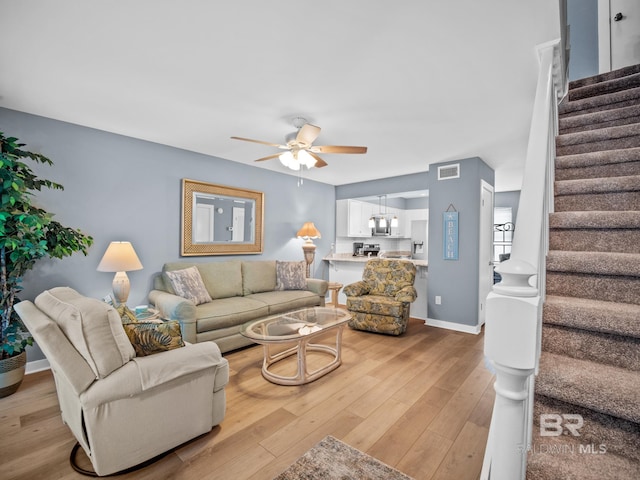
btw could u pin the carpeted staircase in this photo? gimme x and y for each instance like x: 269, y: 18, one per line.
x: 590, y: 362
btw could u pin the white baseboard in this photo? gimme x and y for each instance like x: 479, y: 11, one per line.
x: 37, y: 366
x: 458, y: 327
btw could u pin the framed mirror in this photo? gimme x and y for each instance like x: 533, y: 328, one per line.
x: 220, y: 220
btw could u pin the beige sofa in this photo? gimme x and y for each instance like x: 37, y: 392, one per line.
x: 123, y: 409
x: 241, y: 291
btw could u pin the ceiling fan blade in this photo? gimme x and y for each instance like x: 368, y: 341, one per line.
x: 260, y: 141
x: 308, y: 133
x: 338, y: 149
x: 269, y: 157
x: 319, y: 162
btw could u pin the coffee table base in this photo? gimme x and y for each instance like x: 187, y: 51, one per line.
x: 303, y: 346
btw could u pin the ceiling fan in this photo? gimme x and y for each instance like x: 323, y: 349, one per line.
x: 300, y: 150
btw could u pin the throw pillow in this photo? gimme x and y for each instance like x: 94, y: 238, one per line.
x: 291, y: 276
x: 126, y: 314
x: 188, y: 284
x: 148, y: 338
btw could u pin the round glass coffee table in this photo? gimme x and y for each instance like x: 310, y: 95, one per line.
x: 299, y: 327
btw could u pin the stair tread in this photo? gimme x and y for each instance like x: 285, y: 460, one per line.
x: 566, y: 457
x: 631, y: 112
x: 593, y: 315
x: 602, y: 157
x: 594, y: 263
x: 611, y: 100
x: 628, y: 183
x: 595, y: 220
x: 603, y: 388
x: 603, y: 77
x: 604, y: 87
x: 598, y: 135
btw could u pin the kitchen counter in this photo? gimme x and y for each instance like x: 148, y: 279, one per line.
x: 348, y: 257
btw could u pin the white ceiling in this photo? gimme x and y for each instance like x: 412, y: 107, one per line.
x: 416, y: 81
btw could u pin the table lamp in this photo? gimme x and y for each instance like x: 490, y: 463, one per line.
x: 307, y: 232
x: 120, y: 257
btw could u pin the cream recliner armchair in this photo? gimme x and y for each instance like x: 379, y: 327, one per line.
x: 123, y: 409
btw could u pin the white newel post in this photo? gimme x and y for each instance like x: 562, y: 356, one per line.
x: 513, y: 311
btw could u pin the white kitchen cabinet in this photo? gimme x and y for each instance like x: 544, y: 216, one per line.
x: 352, y: 218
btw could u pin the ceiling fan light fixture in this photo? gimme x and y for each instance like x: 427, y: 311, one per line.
x: 287, y: 159
x: 305, y: 159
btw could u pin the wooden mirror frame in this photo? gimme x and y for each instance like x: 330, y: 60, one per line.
x: 189, y: 248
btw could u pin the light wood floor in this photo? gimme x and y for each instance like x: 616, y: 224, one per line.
x: 420, y: 402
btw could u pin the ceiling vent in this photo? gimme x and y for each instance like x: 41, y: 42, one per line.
x: 447, y: 172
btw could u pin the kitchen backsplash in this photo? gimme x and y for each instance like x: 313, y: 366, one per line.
x: 345, y: 244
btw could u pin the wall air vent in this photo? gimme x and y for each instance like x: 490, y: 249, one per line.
x: 447, y: 172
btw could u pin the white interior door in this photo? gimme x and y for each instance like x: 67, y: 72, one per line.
x: 618, y: 33
x: 485, y: 280
x: 203, y: 225
x: 237, y: 234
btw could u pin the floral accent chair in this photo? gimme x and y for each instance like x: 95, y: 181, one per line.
x: 380, y: 301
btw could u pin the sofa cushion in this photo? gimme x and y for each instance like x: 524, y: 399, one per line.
x: 222, y: 279
x: 93, y: 327
x: 187, y: 283
x: 258, y: 276
x: 287, y: 300
x: 227, y: 312
x: 291, y: 275
x: 148, y: 338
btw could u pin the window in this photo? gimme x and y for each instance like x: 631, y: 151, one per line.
x: 502, y: 232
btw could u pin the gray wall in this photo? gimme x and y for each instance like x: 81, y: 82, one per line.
x: 582, y: 17
x: 508, y: 199
x: 120, y: 188
x: 402, y: 183
x: 456, y: 281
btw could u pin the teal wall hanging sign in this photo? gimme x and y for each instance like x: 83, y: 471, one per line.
x: 450, y: 234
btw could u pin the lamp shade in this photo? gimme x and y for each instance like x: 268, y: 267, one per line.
x: 308, y: 230
x: 119, y: 257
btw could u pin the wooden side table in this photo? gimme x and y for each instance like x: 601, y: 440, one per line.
x: 335, y: 289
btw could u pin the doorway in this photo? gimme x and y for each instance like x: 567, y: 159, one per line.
x: 618, y: 34
x: 485, y: 270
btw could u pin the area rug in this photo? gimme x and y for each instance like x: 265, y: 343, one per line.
x: 333, y: 459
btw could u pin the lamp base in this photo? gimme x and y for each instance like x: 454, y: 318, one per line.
x: 121, y: 287
x: 309, y: 250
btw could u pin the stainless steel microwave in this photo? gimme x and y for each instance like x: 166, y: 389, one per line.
x: 378, y: 229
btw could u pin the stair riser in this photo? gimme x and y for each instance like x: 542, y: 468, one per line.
x: 615, y: 350
x: 620, y: 240
x: 618, y: 435
x: 572, y: 128
x: 604, y: 88
x: 619, y: 201
x: 600, y: 145
x: 599, y: 287
x: 599, y: 171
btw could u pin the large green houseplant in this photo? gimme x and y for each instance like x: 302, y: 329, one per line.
x: 27, y: 233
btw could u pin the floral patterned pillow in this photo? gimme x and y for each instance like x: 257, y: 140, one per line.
x: 291, y: 276
x: 187, y: 283
x: 148, y: 338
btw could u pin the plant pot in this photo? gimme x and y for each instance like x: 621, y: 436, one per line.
x: 11, y: 373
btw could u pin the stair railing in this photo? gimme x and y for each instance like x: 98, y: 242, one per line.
x: 514, y: 307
